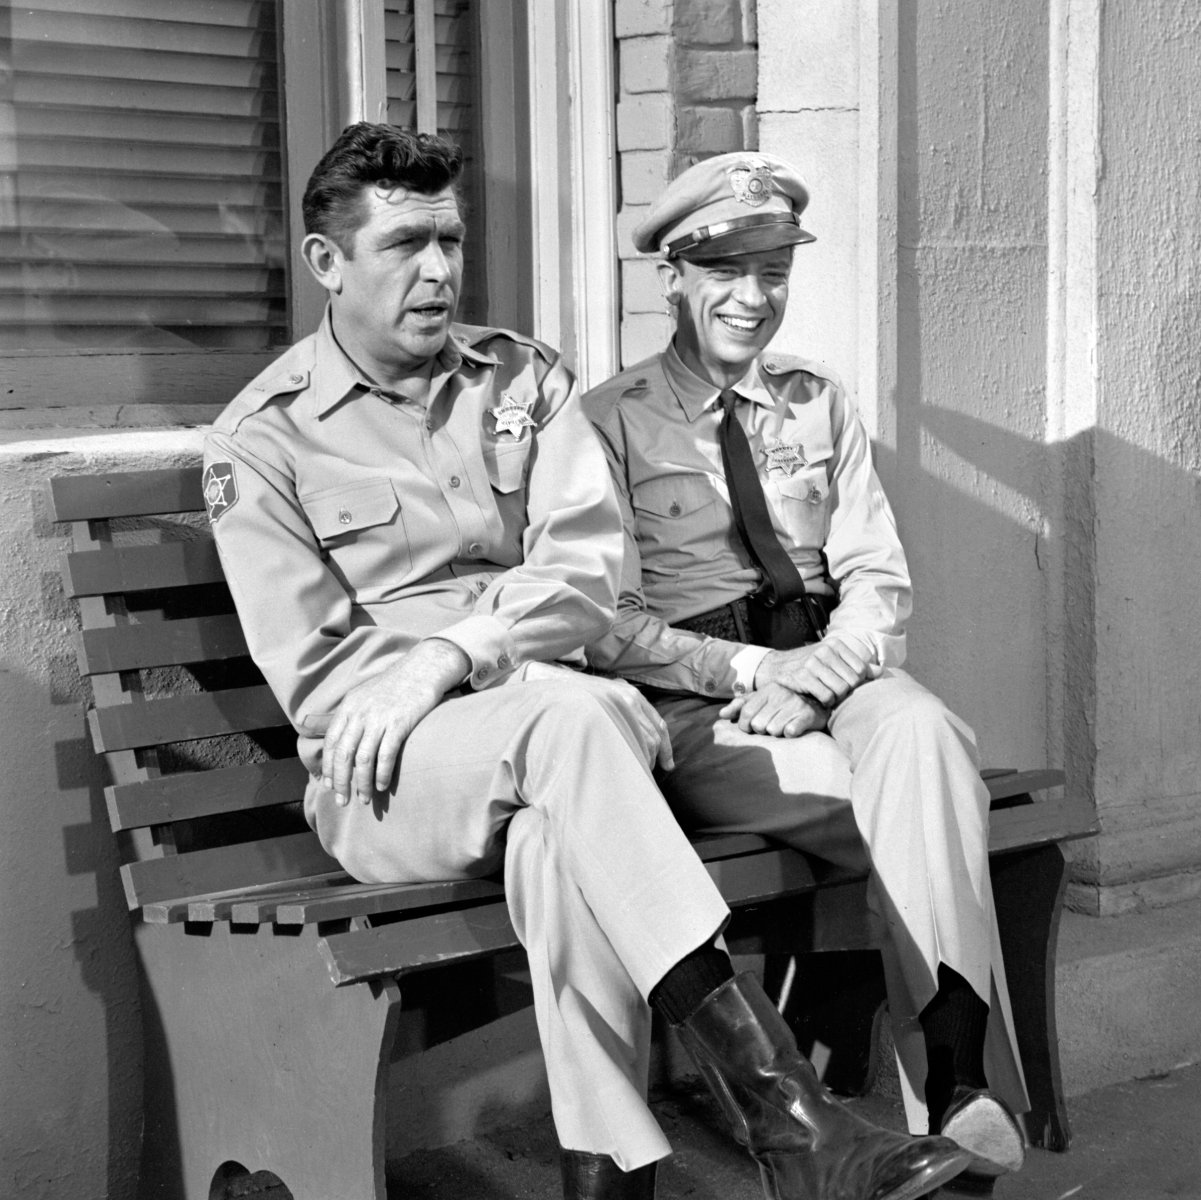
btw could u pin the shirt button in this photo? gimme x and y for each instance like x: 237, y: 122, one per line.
x: 504, y: 662
x: 710, y: 686
x: 454, y: 481
x: 675, y: 509
x: 296, y: 379
x: 483, y: 673
x: 740, y: 689
x: 344, y: 516
x: 475, y: 549
x: 482, y: 585
x: 429, y: 425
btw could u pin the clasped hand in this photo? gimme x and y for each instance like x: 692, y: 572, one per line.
x: 795, y: 689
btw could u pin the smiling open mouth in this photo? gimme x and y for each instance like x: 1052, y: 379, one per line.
x: 741, y: 324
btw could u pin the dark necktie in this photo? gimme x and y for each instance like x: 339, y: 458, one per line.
x: 781, y: 580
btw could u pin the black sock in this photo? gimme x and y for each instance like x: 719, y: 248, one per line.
x: 680, y: 992
x: 954, y: 1023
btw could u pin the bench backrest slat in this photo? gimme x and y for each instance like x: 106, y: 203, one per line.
x: 185, y: 718
x: 126, y: 494
x: 223, y: 868
x: 161, y: 644
x: 185, y: 797
x: 142, y: 568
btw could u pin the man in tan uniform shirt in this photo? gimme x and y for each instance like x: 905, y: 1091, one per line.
x: 781, y: 724
x: 420, y: 533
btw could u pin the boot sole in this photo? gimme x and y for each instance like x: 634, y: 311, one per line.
x: 989, y: 1134
x: 913, y: 1188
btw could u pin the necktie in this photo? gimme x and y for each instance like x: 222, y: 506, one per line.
x: 781, y: 580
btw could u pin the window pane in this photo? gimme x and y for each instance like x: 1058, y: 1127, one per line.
x: 451, y: 64
x: 141, y: 189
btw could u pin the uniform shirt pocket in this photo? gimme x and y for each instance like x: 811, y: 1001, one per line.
x: 676, y: 521
x: 360, y: 529
x: 506, y: 463
x: 802, y: 503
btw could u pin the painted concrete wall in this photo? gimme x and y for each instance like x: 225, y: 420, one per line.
x: 1147, y: 457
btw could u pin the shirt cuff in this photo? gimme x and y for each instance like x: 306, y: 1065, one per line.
x: 489, y: 646
x: 744, y: 665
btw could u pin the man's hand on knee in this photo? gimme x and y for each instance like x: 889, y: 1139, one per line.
x: 776, y: 711
x: 363, y: 741
x: 828, y: 671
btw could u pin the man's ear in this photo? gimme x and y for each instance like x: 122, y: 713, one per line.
x: 669, y: 280
x: 323, y: 257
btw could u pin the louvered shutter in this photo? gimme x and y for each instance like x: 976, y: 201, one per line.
x: 431, y: 56
x: 142, y: 198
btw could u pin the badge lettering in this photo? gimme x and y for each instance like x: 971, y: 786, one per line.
x: 785, y: 457
x: 512, y: 416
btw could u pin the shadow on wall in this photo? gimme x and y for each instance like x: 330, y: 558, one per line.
x: 1110, y: 537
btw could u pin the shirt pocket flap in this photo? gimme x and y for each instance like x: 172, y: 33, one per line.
x: 674, y: 495
x: 809, y: 484
x: 339, y: 511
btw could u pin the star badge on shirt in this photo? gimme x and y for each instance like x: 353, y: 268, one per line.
x: 220, y: 488
x: 785, y: 456
x: 512, y: 416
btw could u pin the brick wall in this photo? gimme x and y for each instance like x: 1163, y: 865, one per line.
x: 686, y: 73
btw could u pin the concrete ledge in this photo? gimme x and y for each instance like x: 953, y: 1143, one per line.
x: 1128, y: 995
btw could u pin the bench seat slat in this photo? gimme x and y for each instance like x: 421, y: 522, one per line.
x: 161, y: 644
x: 126, y: 494
x: 307, y: 908
x: 1003, y: 785
x: 745, y: 867
x: 420, y: 942
x: 142, y: 568
x: 225, y: 868
x: 205, y: 793
x: 184, y: 718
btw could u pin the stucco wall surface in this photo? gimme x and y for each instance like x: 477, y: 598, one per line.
x: 1148, y: 455
x: 70, y: 1077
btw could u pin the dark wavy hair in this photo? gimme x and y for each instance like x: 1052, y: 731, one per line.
x: 365, y: 155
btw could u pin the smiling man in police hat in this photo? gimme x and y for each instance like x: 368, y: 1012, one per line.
x: 763, y: 608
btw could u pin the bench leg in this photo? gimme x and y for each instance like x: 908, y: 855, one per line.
x: 254, y: 1058
x: 1028, y: 888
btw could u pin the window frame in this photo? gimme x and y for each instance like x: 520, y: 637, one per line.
x: 333, y: 73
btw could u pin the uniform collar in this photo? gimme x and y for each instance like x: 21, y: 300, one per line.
x: 336, y: 376
x: 697, y: 395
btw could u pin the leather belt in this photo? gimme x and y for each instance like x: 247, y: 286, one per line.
x: 781, y: 626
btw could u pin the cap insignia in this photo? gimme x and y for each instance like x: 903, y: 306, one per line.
x: 751, y: 183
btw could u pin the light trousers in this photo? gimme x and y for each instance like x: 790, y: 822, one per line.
x: 893, y: 785
x: 551, y: 778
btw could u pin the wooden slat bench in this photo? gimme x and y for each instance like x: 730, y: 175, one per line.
x: 272, y: 982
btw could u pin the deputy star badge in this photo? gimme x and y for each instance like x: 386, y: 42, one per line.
x: 751, y: 183
x: 785, y: 456
x: 220, y: 488
x: 512, y: 416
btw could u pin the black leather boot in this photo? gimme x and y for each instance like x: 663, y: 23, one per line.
x: 597, y: 1177
x: 807, y: 1144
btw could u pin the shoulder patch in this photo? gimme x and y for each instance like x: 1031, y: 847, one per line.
x: 220, y: 487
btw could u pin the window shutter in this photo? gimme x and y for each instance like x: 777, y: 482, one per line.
x: 432, y: 61
x: 141, y: 185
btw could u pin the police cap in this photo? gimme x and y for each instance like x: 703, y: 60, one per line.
x: 730, y: 204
